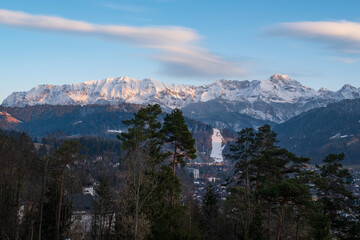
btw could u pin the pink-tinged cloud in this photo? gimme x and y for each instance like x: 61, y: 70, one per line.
x: 177, y: 47
x: 344, y: 59
x: 343, y: 36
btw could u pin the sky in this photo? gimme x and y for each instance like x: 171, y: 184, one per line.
x: 178, y: 41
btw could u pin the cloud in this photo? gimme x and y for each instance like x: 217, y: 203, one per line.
x: 342, y: 36
x: 177, y: 47
x: 344, y: 59
x: 123, y: 7
x: 203, y: 63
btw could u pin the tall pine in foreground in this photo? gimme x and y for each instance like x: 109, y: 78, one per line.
x: 142, y: 194
x: 180, y: 139
x: 66, y: 154
x: 182, y: 145
x: 242, y: 153
x: 267, y: 182
x: 146, y: 210
x: 144, y: 127
x: 334, y: 199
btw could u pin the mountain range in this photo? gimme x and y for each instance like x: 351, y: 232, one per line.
x: 308, y: 122
x: 276, y: 99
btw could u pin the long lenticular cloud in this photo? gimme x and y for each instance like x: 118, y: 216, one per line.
x: 342, y: 36
x: 177, y: 46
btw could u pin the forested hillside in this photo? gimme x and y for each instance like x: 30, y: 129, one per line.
x: 139, y: 187
x: 318, y: 132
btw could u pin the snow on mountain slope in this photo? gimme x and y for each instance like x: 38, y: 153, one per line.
x: 261, y: 99
x: 110, y: 90
x: 218, y: 145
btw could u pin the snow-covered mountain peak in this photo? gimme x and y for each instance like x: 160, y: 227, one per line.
x: 280, y: 78
x: 348, y: 86
x: 348, y: 92
x: 325, y: 93
x: 283, y: 80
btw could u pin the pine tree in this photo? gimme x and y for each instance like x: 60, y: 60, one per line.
x: 102, y: 215
x: 144, y: 205
x: 180, y: 139
x: 144, y: 127
x: 242, y: 152
x: 319, y: 223
x: 333, y: 195
x: 266, y: 178
x: 18, y: 171
x: 66, y: 154
x: 210, y: 211
x: 177, y: 134
x: 265, y: 140
x: 283, y: 185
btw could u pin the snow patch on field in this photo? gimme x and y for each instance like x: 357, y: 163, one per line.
x: 114, y: 131
x: 217, y: 146
x: 335, y: 136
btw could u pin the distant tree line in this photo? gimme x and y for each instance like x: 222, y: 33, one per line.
x: 142, y: 191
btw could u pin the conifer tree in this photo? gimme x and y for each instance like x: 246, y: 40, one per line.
x: 144, y: 127
x: 177, y: 134
x: 334, y: 196
x: 284, y: 184
x: 102, y: 216
x: 17, y: 168
x: 242, y: 152
x: 265, y: 141
x: 66, y: 154
x: 180, y: 140
x: 210, y: 211
x: 144, y: 205
x: 268, y: 178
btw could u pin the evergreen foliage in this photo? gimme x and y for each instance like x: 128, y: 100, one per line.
x: 210, y: 211
x: 182, y: 145
x: 177, y: 134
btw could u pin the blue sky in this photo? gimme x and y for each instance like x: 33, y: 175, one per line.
x: 178, y: 41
